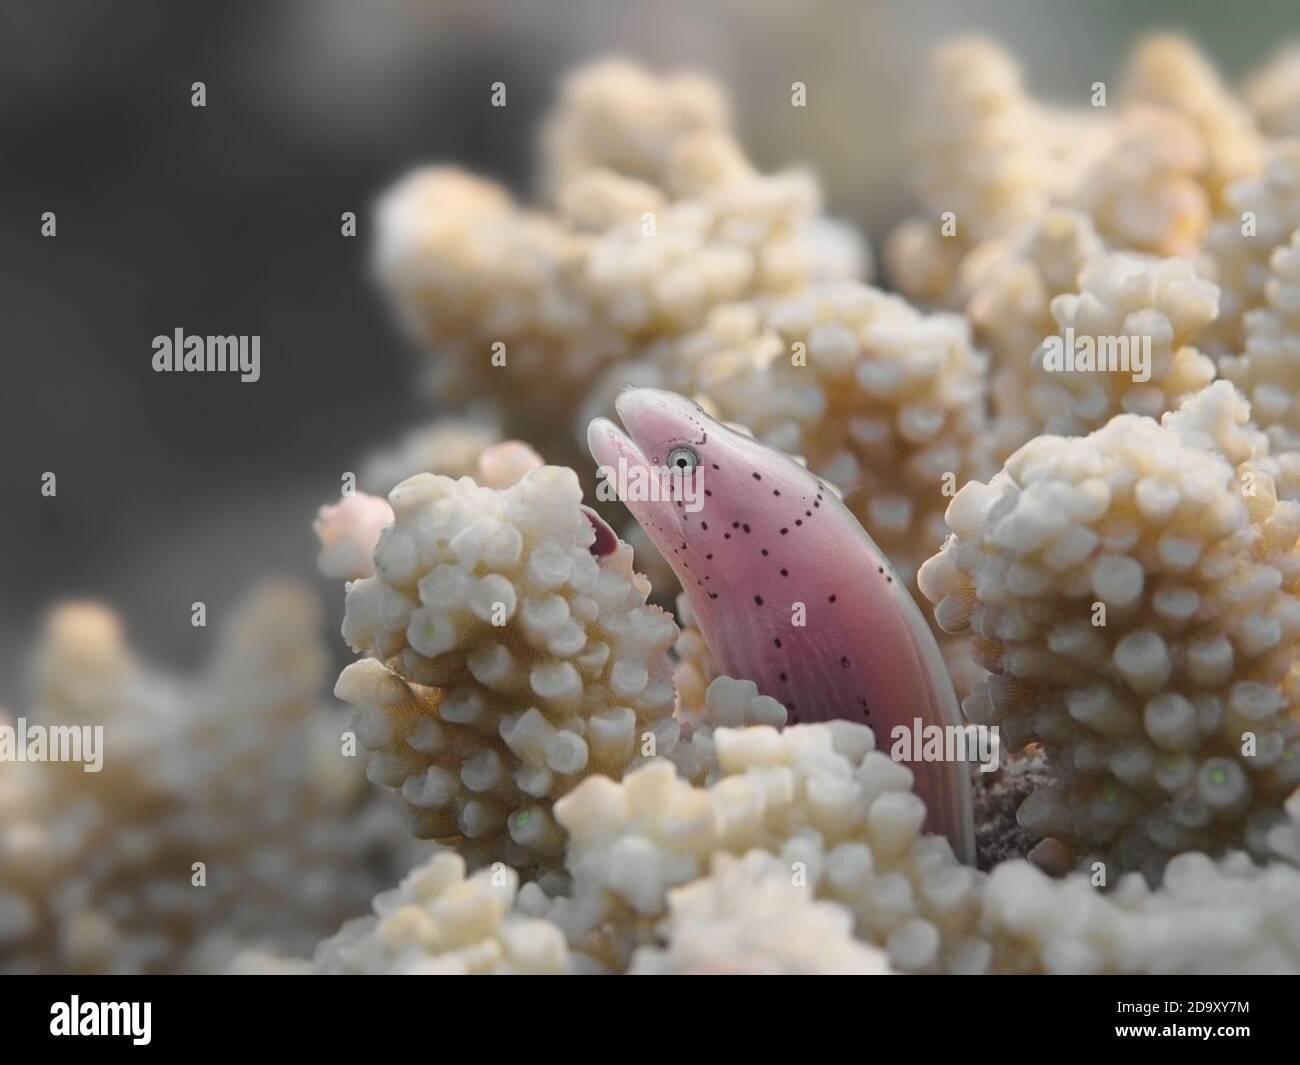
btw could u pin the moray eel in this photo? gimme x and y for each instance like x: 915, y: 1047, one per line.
x: 786, y: 586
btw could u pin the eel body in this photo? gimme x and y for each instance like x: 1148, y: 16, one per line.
x: 786, y: 586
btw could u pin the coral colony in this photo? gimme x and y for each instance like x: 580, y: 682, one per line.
x: 951, y: 627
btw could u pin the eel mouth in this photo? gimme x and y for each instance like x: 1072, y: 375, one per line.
x: 619, y: 455
x: 608, y: 443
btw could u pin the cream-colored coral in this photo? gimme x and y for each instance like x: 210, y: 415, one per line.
x: 506, y: 662
x: 1169, y: 70
x: 451, y: 446
x: 1268, y: 371
x: 1136, y: 597
x: 1273, y: 93
x: 226, y: 814
x: 348, y: 532
x: 975, y: 152
x: 1138, y: 317
x: 438, y: 922
x: 838, y: 815
x: 614, y: 115
x: 1006, y: 287
x: 747, y: 917
x: 1146, y: 192
x: 1260, y: 213
x: 988, y: 161
x: 650, y: 231
x: 1207, y: 917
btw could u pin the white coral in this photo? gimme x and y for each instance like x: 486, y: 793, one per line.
x: 1225, y: 917
x: 1260, y: 213
x: 652, y: 228
x: 438, y: 922
x: 747, y: 917
x: 1136, y: 595
x: 839, y: 816
x: 506, y: 662
x: 1268, y: 371
x: 238, y: 770
x: 1139, y: 317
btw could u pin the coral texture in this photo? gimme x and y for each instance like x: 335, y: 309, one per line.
x: 839, y: 815
x: 506, y: 662
x: 1208, y: 917
x: 1133, y: 594
x: 747, y: 918
x: 1128, y: 309
x: 658, y: 219
x: 438, y: 922
x: 240, y: 771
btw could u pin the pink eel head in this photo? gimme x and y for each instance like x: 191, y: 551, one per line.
x: 706, y: 495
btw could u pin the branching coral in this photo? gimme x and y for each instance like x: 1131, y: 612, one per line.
x: 506, y: 661
x: 837, y: 814
x: 451, y: 446
x: 655, y: 227
x: 1149, y: 171
x: 1138, y: 317
x: 615, y: 116
x: 747, y: 917
x: 1225, y: 917
x: 1169, y: 70
x: 225, y: 814
x: 437, y: 922
x: 1006, y: 288
x: 1273, y: 94
x: 1145, y: 192
x: 1134, y: 594
x: 1268, y: 371
x: 1260, y: 213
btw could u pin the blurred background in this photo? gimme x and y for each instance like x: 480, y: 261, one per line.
x: 226, y: 220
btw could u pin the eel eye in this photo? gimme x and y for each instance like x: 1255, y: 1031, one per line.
x: 682, y: 460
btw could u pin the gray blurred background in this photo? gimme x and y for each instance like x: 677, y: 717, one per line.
x: 226, y: 220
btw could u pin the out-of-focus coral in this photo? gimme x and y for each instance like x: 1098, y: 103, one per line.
x: 654, y: 226
x: 838, y: 815
x: 1138, y: 317
x: 1208, y: 917
x: 451, y: 446
x: 1145, y: 193
x: 225, y: 815
x: 438, y: 922
x: 1134, y: 595
x: 613, y: 115
x: 747, y: 917
x: 975, y: 154
x: 1268, y: 371
x: 1149, y: 169
x: 1260, y: 213
x: 506, y: 662
x: 348, y: 532
x: 1273, y: 94
x: 1006, y: 288
x: 1169, y: 70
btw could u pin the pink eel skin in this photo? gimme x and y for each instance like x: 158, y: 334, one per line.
x: 770, y: 536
